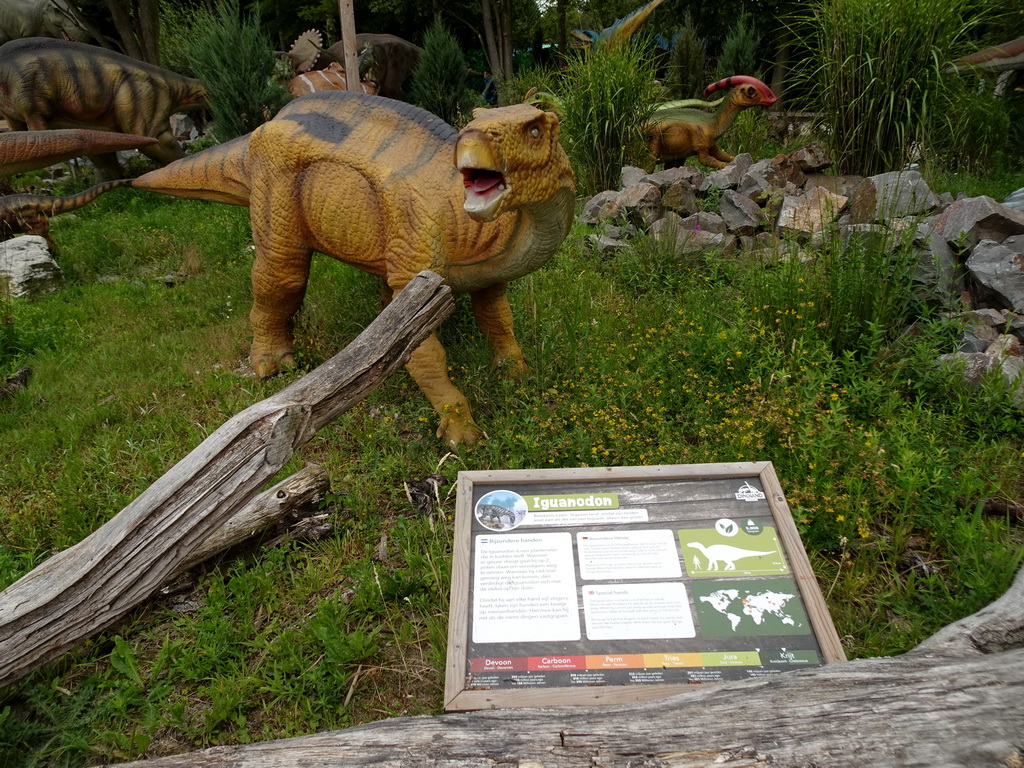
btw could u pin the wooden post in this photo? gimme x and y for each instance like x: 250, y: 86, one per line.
x: 88, y: 587
x: 348, y: 36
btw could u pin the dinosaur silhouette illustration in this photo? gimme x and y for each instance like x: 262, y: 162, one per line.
x: 725, y: 553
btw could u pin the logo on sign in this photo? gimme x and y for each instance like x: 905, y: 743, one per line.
x: 747, y: 492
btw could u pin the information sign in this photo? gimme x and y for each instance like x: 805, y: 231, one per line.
x: 608, y: 585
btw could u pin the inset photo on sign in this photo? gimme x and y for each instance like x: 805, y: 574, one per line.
x: 500, y: 510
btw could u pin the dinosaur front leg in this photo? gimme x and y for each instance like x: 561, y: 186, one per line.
x: 279, y: 277
x: 494, y: 316
x: 428, y: 365
x: 721, y: 154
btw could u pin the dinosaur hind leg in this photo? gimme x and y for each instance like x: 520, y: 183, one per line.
x: 279, y: 276
x: 494, y: 316
x: 107, y: 166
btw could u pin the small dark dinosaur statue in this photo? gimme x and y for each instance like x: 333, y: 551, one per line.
x: 47, y: 83
x: 392, y: 190
x: 675, y: 134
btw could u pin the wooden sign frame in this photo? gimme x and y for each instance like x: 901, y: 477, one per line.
x: 757, y: 483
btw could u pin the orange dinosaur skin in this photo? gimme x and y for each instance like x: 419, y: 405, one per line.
x: 694, y: 132
x: 22, y: 151
x: 392, y: 190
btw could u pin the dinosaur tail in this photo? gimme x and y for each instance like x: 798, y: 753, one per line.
x: 28, y: 205
x: 22, y: 151
x: 219, y: 174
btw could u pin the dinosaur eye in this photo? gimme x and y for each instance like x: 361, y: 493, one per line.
x: 535, y: 132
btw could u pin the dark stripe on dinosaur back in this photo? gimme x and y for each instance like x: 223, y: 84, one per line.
x: 328, y: 101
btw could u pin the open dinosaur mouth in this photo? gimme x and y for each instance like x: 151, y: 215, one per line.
x: 484, y: 188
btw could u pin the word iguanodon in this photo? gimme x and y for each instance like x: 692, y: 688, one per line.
x: 372, y: 182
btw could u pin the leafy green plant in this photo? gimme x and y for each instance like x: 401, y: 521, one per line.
x: 439, y: 81
x: 876, y: 72
x: 607, y: 97
x: 688, y: 65
x: 234, y: 58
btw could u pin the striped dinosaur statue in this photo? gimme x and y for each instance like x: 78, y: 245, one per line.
x: 47, y: 83
x: 392, y: 190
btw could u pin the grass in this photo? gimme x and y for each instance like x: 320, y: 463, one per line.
x: 635, y: 360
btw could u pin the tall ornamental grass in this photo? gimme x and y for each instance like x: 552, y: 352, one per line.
x: 876, y: 71
x: 607, y: 96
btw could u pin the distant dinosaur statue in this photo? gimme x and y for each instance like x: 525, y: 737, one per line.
x: 620, y: 31
x: 725, y: 553
x: 676, y: 133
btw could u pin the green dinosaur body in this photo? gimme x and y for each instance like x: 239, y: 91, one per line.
x: 392, y: 190
x: 678, y: 132
x: 47, y: 83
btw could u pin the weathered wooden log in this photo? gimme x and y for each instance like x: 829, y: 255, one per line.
x: 955, y: 700
x: 92, y: 584
x: 293, y: 496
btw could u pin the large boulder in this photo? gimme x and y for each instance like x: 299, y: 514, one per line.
x: 902, y: 193
x: 967, y: 222
x: 728, y: 177
x: 807, y: 214
x: 27, y: 269
x: 741, y: 214
x: 998, y: 271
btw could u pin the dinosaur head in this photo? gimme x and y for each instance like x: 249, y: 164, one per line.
x: 510, y: 158
x: 750, y: 92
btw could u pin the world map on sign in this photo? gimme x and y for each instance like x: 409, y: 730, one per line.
x: 737, y: 606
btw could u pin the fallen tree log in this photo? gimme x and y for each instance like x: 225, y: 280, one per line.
x: 955, y: 700
x: 89, y: 586
x: 294, y: 497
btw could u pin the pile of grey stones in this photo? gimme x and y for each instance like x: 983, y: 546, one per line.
x: 971, y: 250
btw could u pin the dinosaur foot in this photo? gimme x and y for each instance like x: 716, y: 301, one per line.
x: 268, y: 364
x: 458, y: 429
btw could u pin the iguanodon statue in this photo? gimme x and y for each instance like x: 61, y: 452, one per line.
x: 392, y: 190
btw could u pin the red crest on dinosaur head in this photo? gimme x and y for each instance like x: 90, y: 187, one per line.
x: 763, y: 90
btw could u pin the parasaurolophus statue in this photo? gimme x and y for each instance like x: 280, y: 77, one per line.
x: 393, y: 190
x: 678, y: 130
x: 48, y: 83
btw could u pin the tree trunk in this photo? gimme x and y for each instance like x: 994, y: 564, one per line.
x: 346, y: 12
x: 955, y: 700
x: 125, y: 28
x: 88, y: 587
x: 148, y: 18
x: 497, y: 18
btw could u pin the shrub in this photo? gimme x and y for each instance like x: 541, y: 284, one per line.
x: 688, y: 67
x: 234, y: 59
x: 607, y: 98
x: 876, y: 72
x: 739, y: 51
x: 439, y: 81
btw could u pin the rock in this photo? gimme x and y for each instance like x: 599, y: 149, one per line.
x: 808, y: 214
x: 680, y: 197
x: 631, y: 176
x: 602, y: 206
x: 689, y: 241
x: 605, y: 244
x: 999, y: 273
x: 183, y: 127
x: 766, y: 175
x: 1005, y: 345
x: 742, y: 215
x: 968, y: 221
x: 811, y: 158
x: 937, y: 278
x: 902, y: 193
x: 707, y: 221
x: 27, y: 269
x: 1015, y: 200
x: 640, y: 204
x: 728, y: 177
